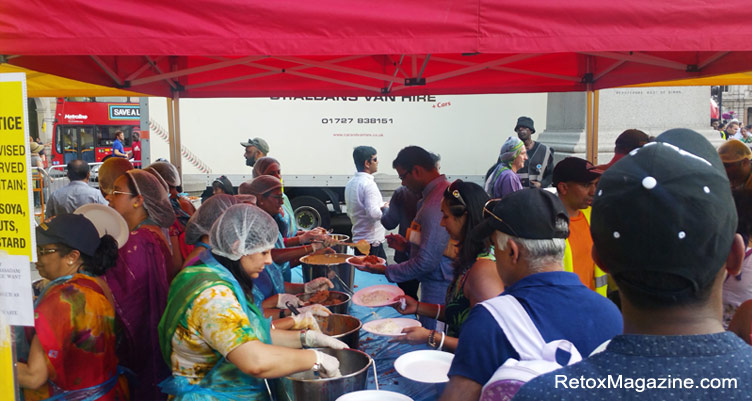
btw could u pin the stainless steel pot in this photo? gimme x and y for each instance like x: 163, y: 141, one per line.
x: 333, y: 267
x: 342, y: 306
x: 345, y: 328
x: 306, y: 386
x: 341, y: 238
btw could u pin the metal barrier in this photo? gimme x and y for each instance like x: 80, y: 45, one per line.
x: 55, y: 177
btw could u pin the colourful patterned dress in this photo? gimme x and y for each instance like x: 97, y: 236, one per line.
x: 204, y: 321
x: 75, y: 324
x: 458, y: 306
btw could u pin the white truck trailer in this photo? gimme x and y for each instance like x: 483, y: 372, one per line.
x: 313, y: 138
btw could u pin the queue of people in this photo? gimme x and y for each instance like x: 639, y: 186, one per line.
x: 632, y: 268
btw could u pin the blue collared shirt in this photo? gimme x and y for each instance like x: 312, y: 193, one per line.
x: 427, y: 262
x: 560, y: 306
x: 71, y: 197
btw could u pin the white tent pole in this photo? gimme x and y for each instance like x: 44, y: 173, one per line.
x: 175, y: 155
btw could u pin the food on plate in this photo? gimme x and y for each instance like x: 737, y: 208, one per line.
x: 388, y: 326
x: 378, y: 297
x: 373, y: 259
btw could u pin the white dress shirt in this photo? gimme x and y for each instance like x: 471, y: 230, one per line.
x: 364, y: 202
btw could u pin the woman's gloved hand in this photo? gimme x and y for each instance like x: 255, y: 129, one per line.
x: 317, y: 339
x: 305, y: 321
x: 328, y: 365
x: 283, y: 299
x: 316, y: 310
x: 317, y: 284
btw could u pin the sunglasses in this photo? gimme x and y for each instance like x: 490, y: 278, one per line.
x: 488, y: 213
x: 456, y: 194
x: 113, y: 192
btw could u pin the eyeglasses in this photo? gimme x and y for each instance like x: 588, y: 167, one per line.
x: 113, y: 192
x: 277, y: 197
x: 402, y: 176
x: 44, y: 251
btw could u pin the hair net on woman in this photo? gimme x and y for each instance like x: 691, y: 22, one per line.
x: 262, y: 184
x: 243, y: 229
x: 201, y: 221
x: 167, y: 171
x: 110, y: 170
x: 262, y: 165
x: 156, y: 199
x: 159, y: 178
x: 511, y: 148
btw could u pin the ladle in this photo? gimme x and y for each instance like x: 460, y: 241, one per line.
x: 363, y: 246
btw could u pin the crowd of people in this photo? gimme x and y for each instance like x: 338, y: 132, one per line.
x: 629, y: 270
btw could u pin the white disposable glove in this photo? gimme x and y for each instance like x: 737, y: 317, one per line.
x: 313, y: 235
x: 317, y: 284
x: 283, y: 299
x: 328, y: 365
x: 305, y: 321
x: 317, y: 339
x: 316, y: 310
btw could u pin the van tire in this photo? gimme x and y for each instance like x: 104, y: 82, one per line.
x: 310, y: 213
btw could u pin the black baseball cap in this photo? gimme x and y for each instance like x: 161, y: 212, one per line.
x: 665, y: 209
x: 575, y: 169
x: 528, y: 213
x: 73, y: 230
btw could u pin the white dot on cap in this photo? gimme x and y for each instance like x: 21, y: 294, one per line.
x: 706, y: 189
x: 682, y: 234
x: 600, y: 192
x: 632, y: 153
x: 649, y: 182
x: 616, y: 234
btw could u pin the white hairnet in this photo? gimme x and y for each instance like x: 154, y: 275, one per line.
x: 110, y: 171
x: 201, y: 221
x: 262, y: 165
x: 167, y: 171
x: 243, y: 229
x: 156, y: 198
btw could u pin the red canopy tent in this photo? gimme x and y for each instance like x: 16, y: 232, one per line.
x: 226, y: 48
x: 255, y: 48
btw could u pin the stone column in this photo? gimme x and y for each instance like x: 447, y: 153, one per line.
x: 652, y: 110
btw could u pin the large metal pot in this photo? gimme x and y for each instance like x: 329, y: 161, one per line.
x: 341, y: 238
x: 341, y: 305
x: 332, y: 266
x: 306, y: 386
x: 345, y: 328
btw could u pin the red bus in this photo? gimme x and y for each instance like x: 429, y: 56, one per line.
x: 86, y: 129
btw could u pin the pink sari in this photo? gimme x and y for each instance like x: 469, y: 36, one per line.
x: 139, y: 286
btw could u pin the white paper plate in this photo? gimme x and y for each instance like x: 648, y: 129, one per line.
x: 374, y: 395
x: 362, y: 296
x: 374, y: 325
x: 107, y: 221
x: 426, y: 366
x: 351, y: 260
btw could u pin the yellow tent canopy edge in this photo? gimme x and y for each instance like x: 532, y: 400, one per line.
x: 39, y: 84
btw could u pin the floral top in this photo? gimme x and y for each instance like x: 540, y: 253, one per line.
x: 215, y: 322
x: 457, y: 304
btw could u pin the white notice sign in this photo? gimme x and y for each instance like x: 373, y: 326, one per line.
x: 16, y: 301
